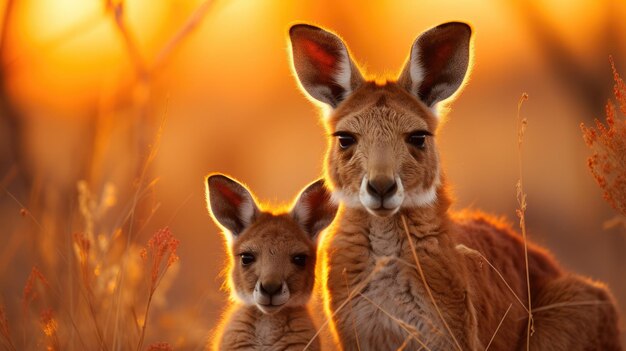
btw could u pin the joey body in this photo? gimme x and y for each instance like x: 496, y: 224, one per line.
x: 271, y: 271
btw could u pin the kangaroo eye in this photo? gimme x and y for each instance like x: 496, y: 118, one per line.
x: 418, y: 138
x: 247, y: 259
x: 299, y: 260
x: 345, y: 139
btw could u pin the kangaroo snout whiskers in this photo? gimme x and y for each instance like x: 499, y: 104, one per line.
x: 381, y: 196
x: 270, y: 294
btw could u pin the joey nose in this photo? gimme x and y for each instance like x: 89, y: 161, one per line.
x: 381, y: 187
x: 271, y: 288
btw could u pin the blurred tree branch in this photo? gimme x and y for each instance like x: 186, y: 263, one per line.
x: 117, y: 9
x: 176, y: 41
x: 9, y: 115
x: 144, y: 70
x: 589, y: 86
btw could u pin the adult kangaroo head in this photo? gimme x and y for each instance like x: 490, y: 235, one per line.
x: 383, y: 155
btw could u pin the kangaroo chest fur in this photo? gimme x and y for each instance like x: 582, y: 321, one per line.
x: 249, y: 329
x: 389, y: 301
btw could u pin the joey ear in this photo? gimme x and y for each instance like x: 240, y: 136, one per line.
x: 230, y: 203
x: 314, y: 210
x: 323, y: 65
x: 438, y: 62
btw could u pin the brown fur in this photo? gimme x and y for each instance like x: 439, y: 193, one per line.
x: 368, y: 248
x: 274, y: 240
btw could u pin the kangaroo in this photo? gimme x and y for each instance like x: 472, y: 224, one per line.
x: 272, y: 266
x: 448, y: 280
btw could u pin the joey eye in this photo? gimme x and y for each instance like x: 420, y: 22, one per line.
x: 247, y: 259
x: 418, y: 138
x: 345, y: 139
x: 299, y: 260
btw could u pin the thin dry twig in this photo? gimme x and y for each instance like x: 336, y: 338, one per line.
x: 405, y: 343
x: 142, y: 177
x: 470, y: 251
x: 408, y: 328
x: 521, y: 211
x: 83, y: 245
x: 380, y: 263
x: 30, y: 294
x: 498, y: 327
x: 426, y: 286
x: 569, y: 304
x: 432, y: 325
x: 356, y: 335
x: 24, y: 211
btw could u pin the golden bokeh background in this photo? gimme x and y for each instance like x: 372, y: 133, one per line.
x: 82, y: 99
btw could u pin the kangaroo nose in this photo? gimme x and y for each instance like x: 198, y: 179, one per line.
x: 381, y: 187
x: 271, y: 288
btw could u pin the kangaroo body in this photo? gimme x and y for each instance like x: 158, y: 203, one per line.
x: 452, y: 282
x: 470, y: 294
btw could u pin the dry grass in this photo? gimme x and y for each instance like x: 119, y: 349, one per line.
x: 498, y: 327
x: 521, y: 211
x: 162, y: 245
x: 93, y: 280
x: 607, y: 141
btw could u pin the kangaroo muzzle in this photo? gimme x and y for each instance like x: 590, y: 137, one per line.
x: 381, y: 195
x: 270, y: 296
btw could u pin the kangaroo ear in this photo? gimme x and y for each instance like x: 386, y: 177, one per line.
x: 323, y: 65
x: 438, y: 62
x: 314, y: 210
x: 230, y: 203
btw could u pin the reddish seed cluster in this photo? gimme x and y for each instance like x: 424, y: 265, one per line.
x: 161, y: 245
x: 48, y: 323
x: 608, y: 143
x: 4, y: 325
x: 30, y: 290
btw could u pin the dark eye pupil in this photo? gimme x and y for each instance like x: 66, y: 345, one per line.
x: 247, y: 259
x: 299, y: 260
x: 345, y: 141
x: 417, y: 140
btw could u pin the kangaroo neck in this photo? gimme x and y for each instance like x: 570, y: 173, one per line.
x: 387, y: 234
x: 275, y: 320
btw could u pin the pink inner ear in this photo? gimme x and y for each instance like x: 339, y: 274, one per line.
x: 315, y: 200
x: 230, y: 195
x: 324, y: 60
x: 445, y: 51
x: 436, y: 63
